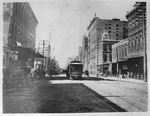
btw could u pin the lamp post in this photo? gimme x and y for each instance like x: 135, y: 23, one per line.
x: 48, y: 60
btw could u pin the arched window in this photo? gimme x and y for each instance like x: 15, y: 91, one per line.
x: 130, y: 45
x: 137, y: 44
x: 136, y: 21
x: 141, y: 41
x: 133, y: 44
x: 133, y: 24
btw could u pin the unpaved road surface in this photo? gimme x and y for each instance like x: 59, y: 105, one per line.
x: 45, y: 97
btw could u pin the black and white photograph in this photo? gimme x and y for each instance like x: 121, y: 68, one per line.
x: 74, y: 57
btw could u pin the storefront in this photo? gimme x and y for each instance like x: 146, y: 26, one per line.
x: 123, y: 67
x: 136, y: 68
x: 103, y: 68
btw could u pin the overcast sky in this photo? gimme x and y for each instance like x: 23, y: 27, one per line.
x: 68, y: 20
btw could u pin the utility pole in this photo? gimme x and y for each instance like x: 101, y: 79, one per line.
x: 48, y: 53
x: 37, y: 59
x: 43, y: 55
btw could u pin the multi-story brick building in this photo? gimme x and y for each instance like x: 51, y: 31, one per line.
x: 135, y: 44
x: 102, y: 33
x: 22, y: 31
x: 137, y: 39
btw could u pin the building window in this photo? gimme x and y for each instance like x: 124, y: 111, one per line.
x: 4, y: 4
x: 109, y: 27
x: 117, y: 25
x: 141, y: 38
x: 106, y: 26
x: 130, y: 27
x: 117, y: 35
x: 105, y: 57
x: 108, y: 48
x: 141, y: 42
x: 136, y: 22
x: 109, y: 32
x: 133, y: 24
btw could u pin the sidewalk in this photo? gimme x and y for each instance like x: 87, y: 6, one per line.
x: 123, y: 79
x: 129, y: 94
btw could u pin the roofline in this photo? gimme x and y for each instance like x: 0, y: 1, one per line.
x: 32, y: 13
x: 94, y: 19
x: 135, y: 7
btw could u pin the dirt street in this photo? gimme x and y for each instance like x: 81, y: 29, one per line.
x: 61, y: 95
x: 46, y: 97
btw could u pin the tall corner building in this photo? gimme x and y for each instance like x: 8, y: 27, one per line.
x: 22, y: 32
x: 102, y: 34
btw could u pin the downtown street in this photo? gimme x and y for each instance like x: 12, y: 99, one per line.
x: 81, y: 56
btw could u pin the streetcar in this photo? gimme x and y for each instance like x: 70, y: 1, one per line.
x: 75, y: 70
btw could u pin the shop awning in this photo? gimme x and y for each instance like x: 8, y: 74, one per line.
x: 24, y: 52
